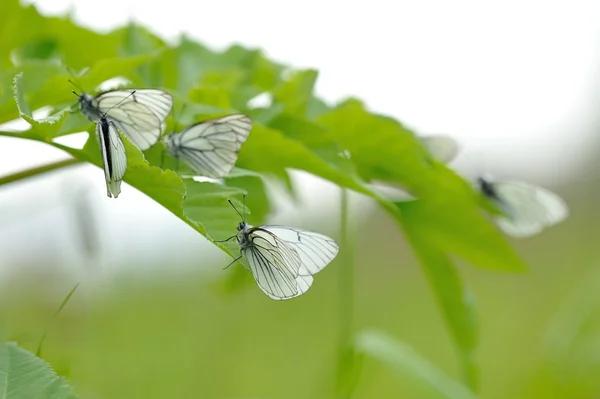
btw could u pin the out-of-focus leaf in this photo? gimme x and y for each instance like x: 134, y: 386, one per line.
x: 314, y: 137
x: 296, y: 92
x: 408, y: 363
x: 213, y: 96
x: 269, y: 151
x: 73, y: 45
x: 25, y: 376
x: 257, y: 200
x: 137, y: 40
x: 381, y: 148
x: 460, y: 228
x: 456, y: 304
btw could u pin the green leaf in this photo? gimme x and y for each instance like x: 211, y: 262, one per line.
x: 296, y: 92
x: 408, y: 363
x: 193, y: 61
x: 258, y: 200
x: 214, y: 96
x: 137, y: 40
x: 287, y: 153
x: 456, y: 303
x: 316, y: 138
x: 21, y: 100
x: 25, y: 110
x: 25, y: 376
x: 65, y: 36
x: 457, y: 226
x: 381, y: 148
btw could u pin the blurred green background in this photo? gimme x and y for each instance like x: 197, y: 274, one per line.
x: 176, y: 325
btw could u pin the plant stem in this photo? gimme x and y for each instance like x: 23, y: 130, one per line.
x: 37, y: 171
x: 346, y: 372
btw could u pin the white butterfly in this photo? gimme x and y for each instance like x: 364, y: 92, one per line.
x: 114, y: 158
x: 283, y: 259
x: 527, y: 209
x: 211, y: 147
x: 138, y: 113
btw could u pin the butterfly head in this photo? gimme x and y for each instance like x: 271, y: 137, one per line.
x: 241, y: 226
x: 487, y: 188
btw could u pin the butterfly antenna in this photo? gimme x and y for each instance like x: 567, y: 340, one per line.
x: 76, y: 86
x: 238, y: 212
x: 244, y: 203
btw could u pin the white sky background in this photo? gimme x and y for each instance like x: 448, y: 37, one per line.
x: 512, y: 81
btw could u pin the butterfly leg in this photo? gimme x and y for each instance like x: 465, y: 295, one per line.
x: 229, y: 239
x: 235, y: 260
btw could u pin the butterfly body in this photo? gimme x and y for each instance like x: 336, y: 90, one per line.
x: 114, y: 158
x: 282, y: 259
x: 138, y: 113
x: 528, y: 209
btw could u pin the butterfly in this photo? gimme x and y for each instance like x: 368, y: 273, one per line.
x: 211, y: 147
x: 527, y: 209
x: 138, y: 113
x: 114, y: 157
x: 282, y: 259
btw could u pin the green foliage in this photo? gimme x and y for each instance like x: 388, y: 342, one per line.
x: 25, y: 376
x: 345, y: 144
x: 410, y: 364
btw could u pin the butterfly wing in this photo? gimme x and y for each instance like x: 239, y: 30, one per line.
x: 140, y: 116
x: 441, y: 148
x: 528, y: 209
x: 275, y: 265
x: 314, y: 250
x: 114, y: 158
x: 211, y: 147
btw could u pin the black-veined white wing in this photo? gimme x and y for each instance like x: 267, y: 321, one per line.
x: 441, y: 148
x: 114, y: 157
x: 315, y: 250
x: 528, y: 209
x: 211, y: 147
x: 138, y: 113
x: 282, y: 260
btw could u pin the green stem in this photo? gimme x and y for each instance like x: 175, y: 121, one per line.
x: 37, y: 171
x: 346, y: 365
x: 346, y: 277
x: 38, y: 352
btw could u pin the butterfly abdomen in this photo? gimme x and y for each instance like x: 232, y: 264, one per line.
x: 105, y: 142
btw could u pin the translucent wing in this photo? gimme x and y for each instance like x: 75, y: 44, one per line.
x: 528, y: 209
x: 211, y: 147
x: 140, y: 116
x: 114, y: 158
x: 442, y: 148
x: 314, y: 250
x: 275, y: 265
